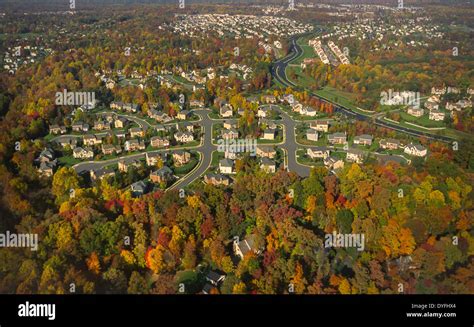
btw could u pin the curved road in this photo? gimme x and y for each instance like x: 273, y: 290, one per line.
x: 289, y: 145
x: 205, y: 150
x: 278, y: 72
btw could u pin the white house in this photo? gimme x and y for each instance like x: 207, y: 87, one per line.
x: 415, y: 150
x: 226, y: 166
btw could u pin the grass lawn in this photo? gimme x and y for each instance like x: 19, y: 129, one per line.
x: 339, y: 154
x: 69, y: 161
x: 297, y: 116
x: 278, y: 138
x: 303, y: 159
x: 49, y: 137
x: 217, y: 130
x: 216, y: 157
x: 185, y: 145
x: 301, y: 139
x: 129, y: 81
x: 191, y: 280
x: 183, y: 170
x: 422, y: 121
x: 339, y: 97
x: 302, y: 79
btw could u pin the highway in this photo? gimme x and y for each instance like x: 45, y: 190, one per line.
x: 279, y: 74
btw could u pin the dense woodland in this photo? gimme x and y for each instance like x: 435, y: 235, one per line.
x: 106, y: 241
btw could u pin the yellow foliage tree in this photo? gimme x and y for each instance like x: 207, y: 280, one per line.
x: 93, y: 263
x: 344, y: 286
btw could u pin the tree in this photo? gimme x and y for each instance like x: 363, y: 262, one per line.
x: 396, y: 240
x: 344, y: 219
x: 65, y: 184
x: 137, y: 284
x: 344, y: 286
x: 160, y: 260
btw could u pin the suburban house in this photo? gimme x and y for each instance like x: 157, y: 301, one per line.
x: 46, y: 155
x: 181, y: 157
x: 438, y: 91
x: 415, y: 150
x: 101, y: 173
x: 363, y: 139
x: 390, y: 144
x: 414, y: 111
x: 47, y: 168
x: 118, y: 134
x: 248, y: 245
x: 215, y: 278
x: 268, y: 123
x: 183, y: 115
x: 231, y: 153
x: 268, y: 165
x: 230, y: 134
x: 226, y: 111
x: 431, y: 105
x: 308, y: 111
x: 125, y: 164
x: 153, y: 113
x: 312, y: 135
x: 458, y: 106
x: 163, y: 117
x: 136, y: 132
x: 158, y: 142
x: 67, y: 141
x: 318, y: 152
x: 355, y: 155
x: 134, y: 145
x: 108, y: 116
x: 108, y: 149
x: 263, y: 112
x: 269, y: 99
x: 110, y: 84
x: 337, y: 138
x: 184, y: 137
x: 196, y: 103
x: 266, y: 151
x: 320, y: 125
x: 120, y: 122
x: 130, y: 107
x: 159, y: 128
x: 216, y: 179
x: 82, y: 153
x: 436, y: 115
x: 139, y: 188
x: 56, y: 129
x: 116, y: 105
x: 80, y: 127
x: 226, y: 166
x: 152, y: 158
x: 297, y: 107
x: 91, y: 140
x: 188, y: 126
x: 230, y: 124
x: 162, y: 175
x: 333, y: 163
x: 101, y: 125
x: 47, y: 162
x: 269, y: 134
